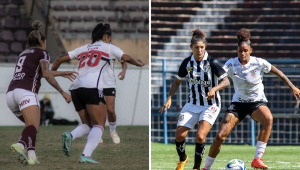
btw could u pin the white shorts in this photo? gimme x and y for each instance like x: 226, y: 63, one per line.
x: 18, y: 99
x: 192, y: 114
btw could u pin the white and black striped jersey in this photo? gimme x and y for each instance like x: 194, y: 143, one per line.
x: 202, y: 76
x: 247, y: 79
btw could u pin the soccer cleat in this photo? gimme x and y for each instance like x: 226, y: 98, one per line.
x: 204, y: 169
x: 181, y: 164
x: 66, y: 143
x: 115, y: 137
x: 101, y: 142
x: 32, y: 161
x: 15, y: 148
x: 85, y: 159
x: 258, y: 163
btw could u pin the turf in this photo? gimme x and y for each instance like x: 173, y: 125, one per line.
x: 131, y: 153
x: 276, y: 157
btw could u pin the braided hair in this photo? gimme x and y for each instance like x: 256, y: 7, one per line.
x: 243, y: 35
x: 36, y: 37
x: 99, y: 31
x: 198, y: 36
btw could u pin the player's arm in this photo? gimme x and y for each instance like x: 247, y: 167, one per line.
x: 51, y: 80
x: 123, y: 72
x: 172, y: 91
x: 59, y: 60
x: 282, y: 77
x: 127, y: 58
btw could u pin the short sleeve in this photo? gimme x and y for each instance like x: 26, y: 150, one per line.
x: 227, y: 66
x: 74, y: 54
x: 117, y: 52
x: 265, y: 65
x: 182, y: 72
x: 217, y: 68
x: 45, y: 56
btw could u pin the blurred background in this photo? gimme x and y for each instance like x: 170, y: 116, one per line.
x: 68, y: 25
x: 275, y: 30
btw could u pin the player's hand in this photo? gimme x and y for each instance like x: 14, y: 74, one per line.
x: 67, y: 97
x: 166, y: 105
x: 141, y: 63
x: 121, y: 75
x: 296, y: 92
x: 71, y: 75
x: 211, y: 94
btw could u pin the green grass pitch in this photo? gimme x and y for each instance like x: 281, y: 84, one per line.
x: 131, y: 153
x: 164, y: 157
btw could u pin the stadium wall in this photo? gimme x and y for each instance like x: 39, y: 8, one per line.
x: 137, y: 48
x: 132, y: 97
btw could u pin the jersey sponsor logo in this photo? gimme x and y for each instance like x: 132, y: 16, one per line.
x: 246, y: 101
x: 231, y: 107
x: 19, y: 76
x: 201, y: 82
x: 253, y: 73
x: 190, y: 69
x: 24, y: 102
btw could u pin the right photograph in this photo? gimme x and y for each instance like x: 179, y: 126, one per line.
x: 225, y: 84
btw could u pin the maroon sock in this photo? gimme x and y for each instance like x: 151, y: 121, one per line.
x: 28, y: 137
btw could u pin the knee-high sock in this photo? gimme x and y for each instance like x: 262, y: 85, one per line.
x: 28, y: 137
x: 80, y: 131
x: 180, y: 147
x: 199, y: 152
x: 208, y: 162
x: 260, y: 149
x: 112, y: 126
x: 93, y: 140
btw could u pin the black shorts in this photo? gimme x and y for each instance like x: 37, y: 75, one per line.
x: 241, y: 110
x: 109, y: 92
x: 83, y: 96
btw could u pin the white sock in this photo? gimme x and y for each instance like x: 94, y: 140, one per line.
x: 21, y: 145
x: 260, y: 149
x: 208, y: 162
x: 112, y: 126
x: 80, y: 131
x: 31, y: 154
x: 93, y: 140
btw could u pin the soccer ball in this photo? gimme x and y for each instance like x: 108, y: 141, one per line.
x: 235, y: 164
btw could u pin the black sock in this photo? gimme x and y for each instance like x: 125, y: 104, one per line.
x: 180, y: 147
x: 199, y: 152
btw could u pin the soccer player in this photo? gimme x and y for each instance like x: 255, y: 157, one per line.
x: 87, y: 90
x: 21, y: 97
x: 246, y: 73
x: 204, y: 103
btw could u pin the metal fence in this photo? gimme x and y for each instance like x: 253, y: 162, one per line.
x: 283, y: 105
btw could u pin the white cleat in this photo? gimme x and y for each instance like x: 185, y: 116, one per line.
x: 101, y: 142
x: 115, y: 137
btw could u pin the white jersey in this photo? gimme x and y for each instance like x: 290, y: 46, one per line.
x: 95, y: 62
x: 247, y: 79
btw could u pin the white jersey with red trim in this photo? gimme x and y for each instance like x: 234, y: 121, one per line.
x: 95, y: 61
x: 247, y: 79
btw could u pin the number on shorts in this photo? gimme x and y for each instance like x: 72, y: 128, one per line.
x: 20, y: 63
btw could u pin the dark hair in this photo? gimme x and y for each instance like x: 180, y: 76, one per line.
x: 99, y: 31
x: 36, y: 37
x: 243, y: 35
x: 198, y: 36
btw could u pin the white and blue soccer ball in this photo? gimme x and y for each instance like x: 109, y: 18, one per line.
x: 235, y: 164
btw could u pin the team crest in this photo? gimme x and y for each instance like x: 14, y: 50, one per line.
x: 253, y: 73
x: 231, y: 107
x: 206, y: 68
x: 190, y: 69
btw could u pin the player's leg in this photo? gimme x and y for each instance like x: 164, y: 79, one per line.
x: 264, y: 116
x: 110, y: 96
x: 229, y: 121
x: 94, y: 137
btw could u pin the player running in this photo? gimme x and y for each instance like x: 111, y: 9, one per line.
x: 94, y: 62
x: 204, y: 103
x: 247, y: 73
x: 21, y: 97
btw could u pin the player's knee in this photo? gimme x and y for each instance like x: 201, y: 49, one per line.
x: 200, y: 138
x: 269, y: 120
x: 220, y: 137
x: 179, y: 137
x: 110, y: 110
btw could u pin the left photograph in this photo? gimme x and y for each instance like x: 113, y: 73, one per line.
x: 74, y: 84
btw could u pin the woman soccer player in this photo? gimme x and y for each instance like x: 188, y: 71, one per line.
x: 246, y: 73
x: 21, y: 97
x: 94, y: 60
x: 204, y: 103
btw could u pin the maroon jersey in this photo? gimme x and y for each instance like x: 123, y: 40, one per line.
x: 28, y: 73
